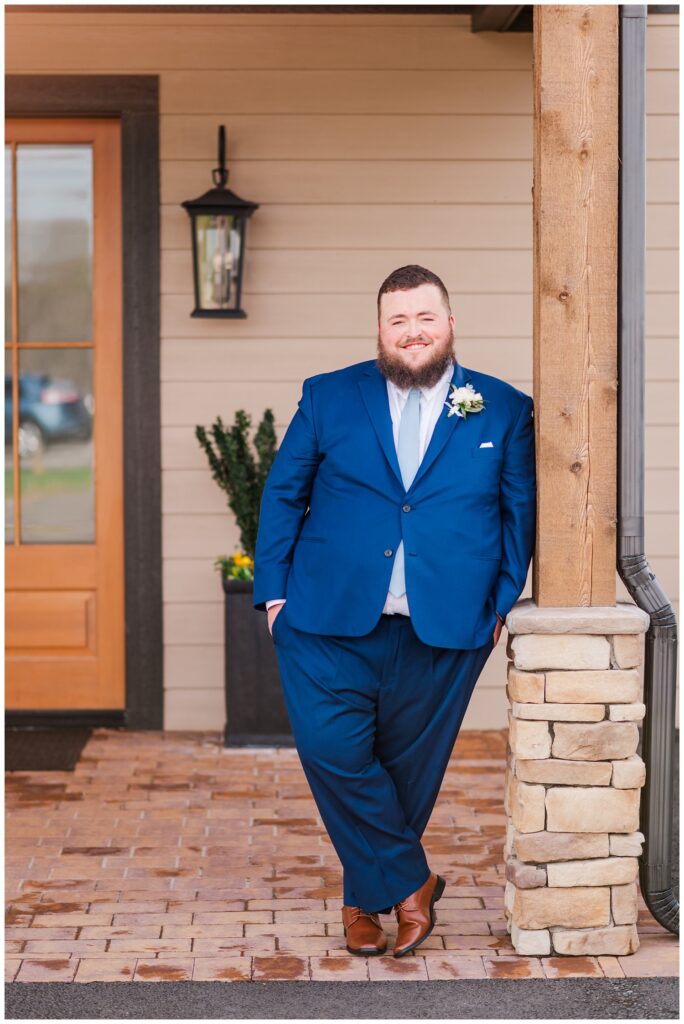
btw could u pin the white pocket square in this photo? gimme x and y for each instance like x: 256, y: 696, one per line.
x: 487, y: 444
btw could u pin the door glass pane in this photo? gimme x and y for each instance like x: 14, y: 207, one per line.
x: 9, y: 467
x: 8, y: 243
x: 55, y: 242
x: 55, y: 446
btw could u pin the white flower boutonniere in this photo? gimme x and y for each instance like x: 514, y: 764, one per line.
x: 461, y: 401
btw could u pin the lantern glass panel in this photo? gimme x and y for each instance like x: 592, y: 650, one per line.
x: 218, y: 239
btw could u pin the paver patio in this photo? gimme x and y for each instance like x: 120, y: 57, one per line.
x: 165, y: 857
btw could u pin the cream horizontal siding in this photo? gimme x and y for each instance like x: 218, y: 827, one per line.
x: 444, y: 226
x: 339, y: 271
x: 265, y: 45
x: 369, y: 141
x: 310, y: 182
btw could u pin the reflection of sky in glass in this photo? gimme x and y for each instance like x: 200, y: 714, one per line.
x: 55, y: 242
x: 8, y: 243
x: 55, y: 179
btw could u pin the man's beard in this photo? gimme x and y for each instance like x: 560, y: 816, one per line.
x: 423, y: 376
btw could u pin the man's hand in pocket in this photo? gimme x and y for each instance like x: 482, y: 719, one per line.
x: 497, y: 628
x: 271, y: 614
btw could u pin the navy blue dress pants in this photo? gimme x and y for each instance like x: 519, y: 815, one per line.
x: 374, y: 720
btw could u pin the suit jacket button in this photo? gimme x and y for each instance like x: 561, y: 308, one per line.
x: 388, y: 552
x: 405, y: 508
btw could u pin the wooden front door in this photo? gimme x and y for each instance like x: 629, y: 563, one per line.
x: 64, y: 627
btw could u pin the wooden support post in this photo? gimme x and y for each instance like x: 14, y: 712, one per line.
x: 575, y: 302
x: 573, y: 775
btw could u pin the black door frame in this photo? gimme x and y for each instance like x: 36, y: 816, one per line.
x: 134, y: 100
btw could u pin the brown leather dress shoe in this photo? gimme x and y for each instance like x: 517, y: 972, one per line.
x: 363, y: 932
x: 416, y: 915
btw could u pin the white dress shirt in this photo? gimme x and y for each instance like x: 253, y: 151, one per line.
x: 431, y: 402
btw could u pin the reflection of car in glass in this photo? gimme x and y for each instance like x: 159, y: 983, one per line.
x: 50, y: 409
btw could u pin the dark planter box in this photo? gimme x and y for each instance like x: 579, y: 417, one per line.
x: 255, y: 709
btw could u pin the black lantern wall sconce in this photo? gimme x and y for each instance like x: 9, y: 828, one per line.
x: 218, y: 221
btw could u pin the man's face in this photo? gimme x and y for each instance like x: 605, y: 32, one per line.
x: 415, y: 336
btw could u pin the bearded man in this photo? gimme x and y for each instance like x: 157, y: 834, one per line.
x: 395, y: 534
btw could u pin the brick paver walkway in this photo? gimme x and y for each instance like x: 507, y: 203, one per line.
x: 164, y: 856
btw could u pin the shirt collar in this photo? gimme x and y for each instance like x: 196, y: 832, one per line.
x: 427, y: 392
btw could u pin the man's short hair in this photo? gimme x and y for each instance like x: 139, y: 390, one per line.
x: 411, y: 276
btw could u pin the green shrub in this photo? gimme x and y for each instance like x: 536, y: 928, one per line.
x: 242, y: 476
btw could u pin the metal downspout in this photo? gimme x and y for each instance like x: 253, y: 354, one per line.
x: 660, y: 658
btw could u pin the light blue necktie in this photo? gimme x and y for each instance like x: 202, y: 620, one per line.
x: 408, y: 452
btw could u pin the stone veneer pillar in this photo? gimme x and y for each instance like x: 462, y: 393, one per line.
x: 573, y: 778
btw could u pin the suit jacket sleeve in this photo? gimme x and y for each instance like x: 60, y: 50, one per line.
x: 284, y: 502
x: 518, y: 503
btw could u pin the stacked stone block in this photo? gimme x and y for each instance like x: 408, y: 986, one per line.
x: 573, y: 778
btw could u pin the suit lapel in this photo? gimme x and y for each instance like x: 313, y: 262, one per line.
x: 374, y: 391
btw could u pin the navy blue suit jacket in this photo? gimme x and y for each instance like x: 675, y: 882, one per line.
x: 334, y: 509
